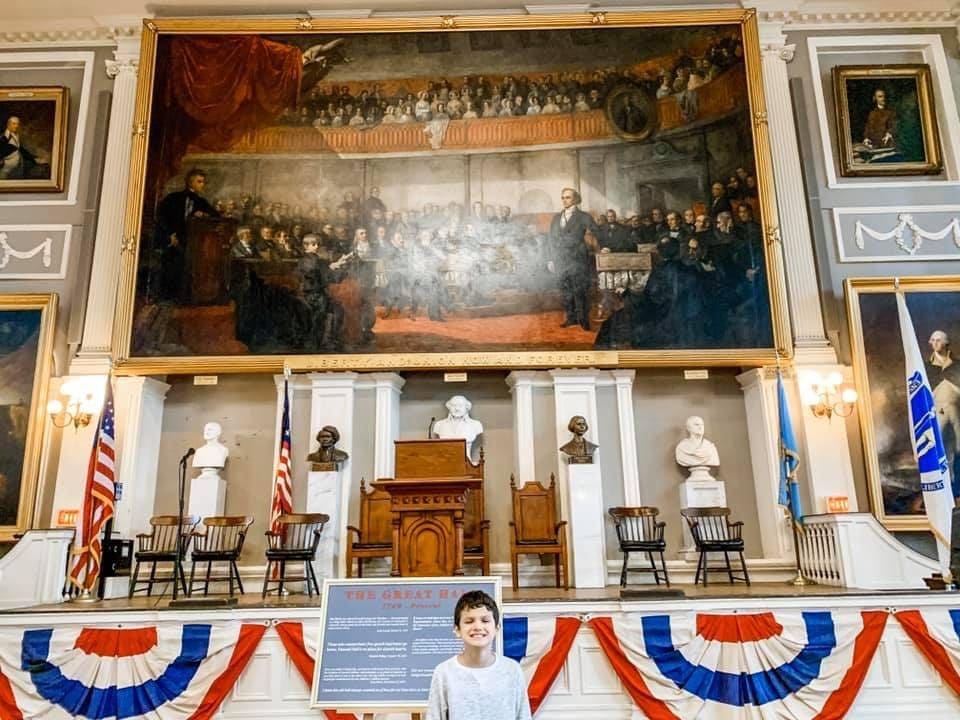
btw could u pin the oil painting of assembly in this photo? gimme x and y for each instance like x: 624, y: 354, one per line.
x: 451, y: 192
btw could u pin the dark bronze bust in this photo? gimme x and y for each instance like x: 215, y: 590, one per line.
x: 327, y: 457
x: 579, y: 450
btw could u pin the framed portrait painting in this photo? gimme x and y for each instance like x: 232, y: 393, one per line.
x: 26, y: 341
x: 461, y: 191
x: 886, y: 120
x: 33, y: 138
x: 879, y: 366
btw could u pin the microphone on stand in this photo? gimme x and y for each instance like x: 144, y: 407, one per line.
x: 433, y: 421
x: 190, y: 453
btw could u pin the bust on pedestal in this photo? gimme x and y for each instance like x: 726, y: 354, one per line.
x: 459, y: 424
x: 698, y: 455
x: 324, y: 494
x: 585, y: 500
x: 208, y: 490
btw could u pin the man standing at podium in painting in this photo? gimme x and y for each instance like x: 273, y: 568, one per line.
x: 573, y: 257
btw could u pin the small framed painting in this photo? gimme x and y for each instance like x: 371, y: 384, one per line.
x: 886, y: 123
x: 33, y: 138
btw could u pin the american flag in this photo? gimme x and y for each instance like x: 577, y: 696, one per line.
x: 98, y: 500
x: 283, y: 483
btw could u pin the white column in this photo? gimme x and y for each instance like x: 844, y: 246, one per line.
x: 332, y: 401
x: 825, y: 452
x: 94, y: 354
x: 387, y: 388
x: 521, y: 383
x: 139, y: 405
x: 623, y: 382
x: 794, y: 223
x: 763, y: 431
x: 575, y: 393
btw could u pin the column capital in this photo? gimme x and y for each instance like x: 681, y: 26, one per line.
x: 780, y: 50
x: 623, y: 376
x: 126, y: 56
x: 389, y: 379
x: 574, y: 376
x: 522, y: 377
x: 333, y: 379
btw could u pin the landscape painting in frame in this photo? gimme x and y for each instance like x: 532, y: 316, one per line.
x: 375, y: 199
x: 33, y: 134
x: 886, y: 120
x: 934, y: 304
x: 26, y: 332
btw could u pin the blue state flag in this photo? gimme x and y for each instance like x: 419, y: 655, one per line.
x: 928, y: 446
x: 789, y: 456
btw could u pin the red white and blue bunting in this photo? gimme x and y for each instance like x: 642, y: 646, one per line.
x: 173, y: 671
x: 738, y: 667
x: 936, y: 633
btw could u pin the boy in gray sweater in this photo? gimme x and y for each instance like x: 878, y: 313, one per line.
x: 478, y: 684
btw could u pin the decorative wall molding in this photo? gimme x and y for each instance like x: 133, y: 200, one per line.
x: 70, y: 33
x: 34, y: 252
x: 58, y: 61
x: 930, y: 48
x: 897, y: 234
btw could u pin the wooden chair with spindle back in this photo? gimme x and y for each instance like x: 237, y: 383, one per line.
x: 374, y: 537
x: 220, y: 541
x: 713, y: 532
x: 638, y: 531
x: 296, y: 540
x: 160, y: 545
x: 535, y: 529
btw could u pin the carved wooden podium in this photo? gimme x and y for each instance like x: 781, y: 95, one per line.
x: 437, y: 491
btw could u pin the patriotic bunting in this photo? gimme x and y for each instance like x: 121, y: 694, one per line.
x: 540, y: 645
x: 936, y: 633
x: 784, y: 665
x: 173, y: 671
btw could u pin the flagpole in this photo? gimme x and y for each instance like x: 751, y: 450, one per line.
x: 799, y: 580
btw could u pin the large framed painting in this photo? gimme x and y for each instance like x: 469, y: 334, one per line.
x: 33, y: 138
x: 886, y: 120
x: 460, y: 191
x: 934, y: 303
x: 26, y: 345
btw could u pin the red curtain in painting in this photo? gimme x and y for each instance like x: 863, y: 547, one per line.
x: 220, y: 87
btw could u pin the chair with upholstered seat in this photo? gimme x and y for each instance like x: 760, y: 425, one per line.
x: 220, y: 541
x: 714, y: 533
x: 535, y: 529
x: 639, y: 532
x: 374, y: 537
x: 160, y: 545
x: 295, y: 540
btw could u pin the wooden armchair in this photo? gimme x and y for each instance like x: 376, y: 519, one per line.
x: 374, y: 537
x: 296, y: 541
x: 535, y: 529
x: 639, y: 532
x: 221, y: 541
x: 713, y: 532
x: 160, y: 545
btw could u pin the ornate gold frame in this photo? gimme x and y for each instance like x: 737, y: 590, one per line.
x: 123, y: 321
x: 928, y: 120
x: 58, y: 150
x: 46, y: 303
x: 853, y: 289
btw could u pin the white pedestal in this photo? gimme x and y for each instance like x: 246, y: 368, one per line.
x: 586, y: 536
x: 699, y: 492
x: 324, y: 493
x: 208, y: 494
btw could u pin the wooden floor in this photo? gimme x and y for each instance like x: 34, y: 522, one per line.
x: 612, y: 593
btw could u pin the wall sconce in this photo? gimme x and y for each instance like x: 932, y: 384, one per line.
x: 826, y: 397
x: 83, y: 401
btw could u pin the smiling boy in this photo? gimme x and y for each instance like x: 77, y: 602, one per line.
x: 478, y: 684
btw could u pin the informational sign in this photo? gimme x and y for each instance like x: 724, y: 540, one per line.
x: 380, y: 639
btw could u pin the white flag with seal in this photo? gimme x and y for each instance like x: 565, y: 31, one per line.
x: 927, y: 443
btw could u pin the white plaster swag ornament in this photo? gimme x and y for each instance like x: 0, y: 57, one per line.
x: 917, y: 233
x: 7, y: 252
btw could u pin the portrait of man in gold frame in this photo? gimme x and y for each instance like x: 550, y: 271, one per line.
x: 886, y: 120
x: 893, y: 478
x: 27, y: 324
x: 33, y: 138
x: 208, y: 288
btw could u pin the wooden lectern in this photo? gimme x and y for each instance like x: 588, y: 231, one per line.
x: 435, y: 493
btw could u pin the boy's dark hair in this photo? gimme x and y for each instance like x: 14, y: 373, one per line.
x: 476, y: 599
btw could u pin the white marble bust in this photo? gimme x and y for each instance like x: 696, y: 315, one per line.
x: 458, y: 423
x: 695, y: 450
x: 212, y: 454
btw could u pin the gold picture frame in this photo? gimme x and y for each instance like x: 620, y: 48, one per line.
x: 127, y: 322
x: 893, y: 480
x: 25, y: 367
x: 899, y: 130
x: 33, y: 138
